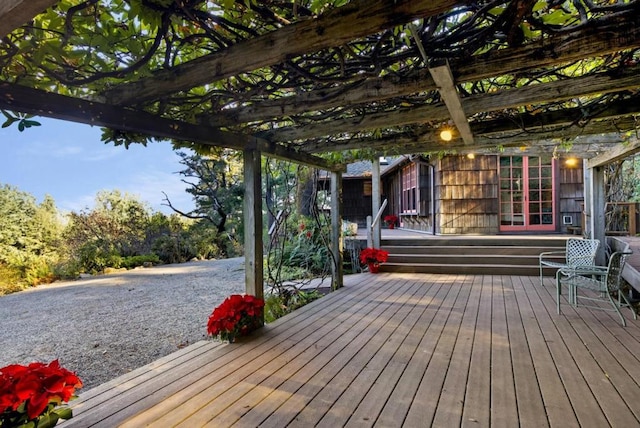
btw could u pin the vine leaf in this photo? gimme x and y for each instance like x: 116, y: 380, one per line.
x: 23, y: 120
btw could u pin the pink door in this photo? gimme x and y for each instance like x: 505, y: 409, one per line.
x: 526, y: 194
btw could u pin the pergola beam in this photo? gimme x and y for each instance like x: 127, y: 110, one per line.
x: 33, y: 101
x: 443, y: 78
x: 615, y: 154
x: 515, y: 131
x: 14, y: 13
x: 544, y: 92
x: 604, y: 38
x: 337, y: 27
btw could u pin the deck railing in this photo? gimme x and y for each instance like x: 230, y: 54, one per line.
x: 621, y: 218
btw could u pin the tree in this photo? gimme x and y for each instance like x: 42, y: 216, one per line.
x: 215, y: 182
x: 115, y: 227
x: 17, y: 211
x: 29, y: 237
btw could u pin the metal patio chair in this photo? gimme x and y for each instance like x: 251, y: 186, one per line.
x: 578, y: 252
x: 591, y: 284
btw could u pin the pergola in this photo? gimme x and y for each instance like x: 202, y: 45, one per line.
x: 315, y: 81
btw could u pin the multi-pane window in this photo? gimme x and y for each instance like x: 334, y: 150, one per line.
x: 526, y: 193
x: 410, y: 189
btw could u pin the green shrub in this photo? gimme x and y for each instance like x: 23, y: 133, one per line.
x: 93, y: 258
x: 280, y: 304
x: 39, y: 272
x: 135, y: 261
x: 173, y: 248
x: 69, y: 269
x: 11, y: 280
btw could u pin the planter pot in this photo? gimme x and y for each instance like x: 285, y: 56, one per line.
x: 374, y: 267
x: 392, y: 225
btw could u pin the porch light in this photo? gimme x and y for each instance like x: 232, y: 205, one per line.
x: 471, y: 155
x: 571, y: 162
x: 446, y: 134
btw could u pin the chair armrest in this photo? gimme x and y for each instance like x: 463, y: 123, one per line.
x: 584, y: 270
x: 553, y: 253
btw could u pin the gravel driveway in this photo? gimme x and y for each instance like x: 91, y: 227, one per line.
x: 105, y: 326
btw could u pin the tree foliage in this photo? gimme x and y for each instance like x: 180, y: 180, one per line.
x: 37, y: 244
x: 30, y: 235
x: 297, y: 243
x: 215, y: 183
x: 114, y: 228
x: 89, y: 48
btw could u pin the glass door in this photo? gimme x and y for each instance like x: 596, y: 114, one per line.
x: 526, y: 194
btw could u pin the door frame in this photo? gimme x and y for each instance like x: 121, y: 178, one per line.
x: 526, y: 191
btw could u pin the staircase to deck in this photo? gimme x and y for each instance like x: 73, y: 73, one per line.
x: 493, y: 255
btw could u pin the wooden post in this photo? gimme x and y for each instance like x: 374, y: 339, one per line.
x: 253, y: 252
x: 586, y: 205
x: 375, y: 199
x: 336, y: 230
x: 632, y: 219
x: 596, y: 204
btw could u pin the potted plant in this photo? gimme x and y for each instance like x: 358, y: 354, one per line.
x: 238, y: 315
x: 391, y: 220
x: 30, y: 395
x: 372, y: 257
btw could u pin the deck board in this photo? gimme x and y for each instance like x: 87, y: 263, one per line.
x: 528, y: 393
x: 451, y: 399
x: 552, y: 390
x: 391, y: 350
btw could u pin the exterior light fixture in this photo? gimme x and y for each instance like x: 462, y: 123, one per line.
x: 471, y: 155
x: 571, y: 162
x: 446, y: 134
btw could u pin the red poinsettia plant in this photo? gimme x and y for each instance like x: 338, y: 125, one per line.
x: 238, y: 315
x: 30, y: 395
x: 390, y: 219
x: 373, y: 256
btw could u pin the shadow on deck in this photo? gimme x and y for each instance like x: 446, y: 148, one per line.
x: 389, y: 350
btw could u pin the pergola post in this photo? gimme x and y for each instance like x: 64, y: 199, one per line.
x: 586, y: 205
x: 375, y: 199
x: 597, y: 204
x: 253, y: 252
x: 336, y: 229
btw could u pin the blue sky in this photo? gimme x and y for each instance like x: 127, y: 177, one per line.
x: 69, y: 162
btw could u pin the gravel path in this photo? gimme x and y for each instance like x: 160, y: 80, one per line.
x: 106, y: 326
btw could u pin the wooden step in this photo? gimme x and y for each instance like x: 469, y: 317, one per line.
x: 458, y: 259
x: 505, y: 241
x: 469, y: 250
x: 494, y: 255
x: 471, y: 269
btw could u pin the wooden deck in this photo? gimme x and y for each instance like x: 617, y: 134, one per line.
x: 413, y: 350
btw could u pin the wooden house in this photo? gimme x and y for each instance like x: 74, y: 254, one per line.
x: 482, y: 194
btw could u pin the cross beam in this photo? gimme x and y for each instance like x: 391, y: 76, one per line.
x: 443, y: 77
x: 34, y: 101
x: 14, y: 13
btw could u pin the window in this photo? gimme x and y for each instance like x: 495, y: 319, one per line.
x: 410, y: 189
x: 366, y: 191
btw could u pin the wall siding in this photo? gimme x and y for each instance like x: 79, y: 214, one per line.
x: 571, y: 196
x: 467, y: 190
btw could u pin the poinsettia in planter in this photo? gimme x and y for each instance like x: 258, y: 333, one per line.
x: 390, y: 220
x: 238, y: 315
x: 372, y: 257
x: 30, y: 395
